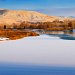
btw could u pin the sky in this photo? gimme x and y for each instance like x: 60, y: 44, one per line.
x: 45, y: 6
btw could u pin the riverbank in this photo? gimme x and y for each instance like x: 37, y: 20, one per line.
x: 16, y: 34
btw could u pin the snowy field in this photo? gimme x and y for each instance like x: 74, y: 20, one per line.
x: 40, y: 50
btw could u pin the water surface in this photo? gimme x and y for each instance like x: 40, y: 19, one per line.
x: 35, y: 70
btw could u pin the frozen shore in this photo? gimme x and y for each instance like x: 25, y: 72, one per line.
x: 43, y: 50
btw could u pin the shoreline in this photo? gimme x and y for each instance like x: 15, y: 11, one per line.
x: 16, y: 34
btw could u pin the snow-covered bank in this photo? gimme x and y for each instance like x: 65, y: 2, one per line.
x: 3, y: 39
x: 43, y: 37
x: 39, y: 50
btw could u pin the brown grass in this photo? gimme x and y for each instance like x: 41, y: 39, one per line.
x: 16, y: 34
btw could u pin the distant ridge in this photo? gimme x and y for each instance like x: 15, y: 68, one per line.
x: 16, y: 16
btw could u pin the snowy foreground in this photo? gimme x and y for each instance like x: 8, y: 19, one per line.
x: 40, y: 50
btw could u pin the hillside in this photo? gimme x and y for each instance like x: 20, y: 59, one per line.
x: 17, y: 16
x: 31, y: 19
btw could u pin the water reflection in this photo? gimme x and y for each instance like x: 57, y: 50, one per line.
x: 19, y: 34
x: 65, y: 35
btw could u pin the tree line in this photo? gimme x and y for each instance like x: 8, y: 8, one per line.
x: 55, y: 25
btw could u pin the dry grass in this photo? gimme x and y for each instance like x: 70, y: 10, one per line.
x: 16, y: 34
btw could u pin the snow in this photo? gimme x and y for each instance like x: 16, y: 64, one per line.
x: 43, y: 37
x: 3, y: 38
x: 42, y: 50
